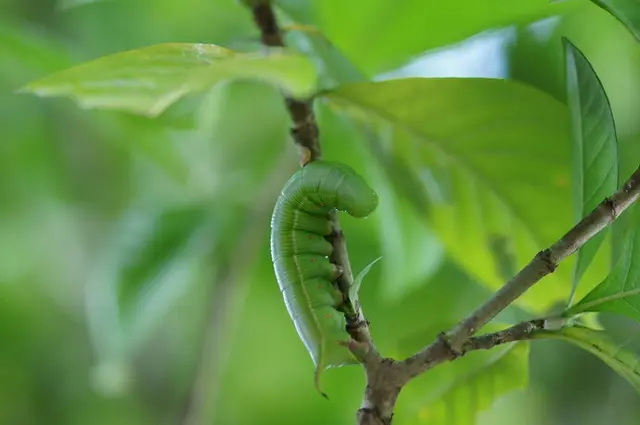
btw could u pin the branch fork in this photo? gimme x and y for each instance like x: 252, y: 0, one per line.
x: 386, y: 377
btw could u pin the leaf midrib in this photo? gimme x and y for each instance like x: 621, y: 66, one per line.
x: 615, y: 297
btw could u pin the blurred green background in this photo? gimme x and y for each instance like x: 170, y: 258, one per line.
x: 135, y: 278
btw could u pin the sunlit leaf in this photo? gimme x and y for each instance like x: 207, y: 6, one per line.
x: 362, y: 29
x: 411, y: 251
x: 595, y: 148
x: 598, y: 343
x: 477, y: 145
x: 455, y: 393
x: 620, y: 291
x: 626, y: 11
x: 148, y: 80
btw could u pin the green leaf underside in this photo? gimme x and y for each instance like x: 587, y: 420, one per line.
x: 150, y: 246
x: 598, y: 343
x: 148, y: 80
x: 595, y: 148
x: 358, y: 25
x: 355, y: 288
x: 457, y: 392
x: 477, y: 144
x: 625, y: 11
x: 620, y: 291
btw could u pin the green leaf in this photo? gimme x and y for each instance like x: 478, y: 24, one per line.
x: 148, y: 80
x: 476, y: 146
x: 356, y: 26
x: 353, y: 291
x: 150, y: 245
x: 335, y: 67
x: 595, y: 148
x: 457, y: 392
x: 411, y: 250
x: 620, y: 291
x: 626, y: 11
x: 598, y: 343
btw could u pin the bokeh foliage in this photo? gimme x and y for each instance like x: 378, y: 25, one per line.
x: 123, y: 235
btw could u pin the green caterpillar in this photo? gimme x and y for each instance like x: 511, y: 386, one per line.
x: 300, y: 254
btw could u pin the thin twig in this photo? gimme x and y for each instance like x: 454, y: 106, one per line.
x: 305, y: 134
x: 542, y: 264
x: 386, y: 377
x: 381, y: 393
x: 305, y: 129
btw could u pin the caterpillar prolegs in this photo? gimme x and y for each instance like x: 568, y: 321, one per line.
x: 300, y: 253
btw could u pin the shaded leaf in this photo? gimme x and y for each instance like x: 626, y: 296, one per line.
x: 503, y: 253
x: 148, y: 80
x: 626, y: 11
x: 595, y: 148
x: 457, y: 392
x: 476, y: 145
x: 411, y: 249
x: 149, y: 247
x: 620, y: 291
x: 598, y: 343
x: 141, y: 272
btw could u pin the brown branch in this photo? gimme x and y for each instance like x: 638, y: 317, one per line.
x: 305, y: 134
x: 305, y: 129
x: 386, y: 377
x: 379, y: 398
x: 542, y: 264
x: 520, y: 332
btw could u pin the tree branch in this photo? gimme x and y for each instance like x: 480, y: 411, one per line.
x: 542, y: 264
x: 379, y: 398
x: 305, y: 129
x: 386, y: 377
x: 305, y: 134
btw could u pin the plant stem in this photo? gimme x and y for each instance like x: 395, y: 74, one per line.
x: 542, y: 264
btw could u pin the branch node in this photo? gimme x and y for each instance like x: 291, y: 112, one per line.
x: 453, y: 353
x: 611, y: 205
x: 546, y: 257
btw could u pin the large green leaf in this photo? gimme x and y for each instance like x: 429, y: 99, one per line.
x: 595, y: 147
x: 380, y: 35
x: 411, y: 253
x: 478, y: 146
x: 150, y: 79
x: 620, y: 291
x: 598, y: 343
x: 455, y: 393
x: 626, y: 11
